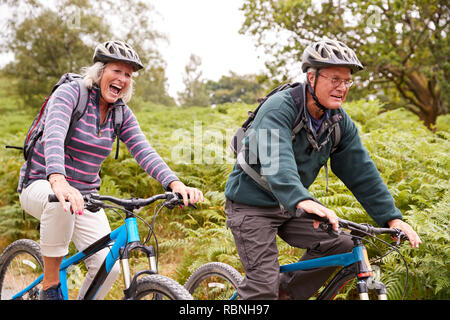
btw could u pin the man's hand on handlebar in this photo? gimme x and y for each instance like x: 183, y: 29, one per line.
x: 311, y: 206
x: 413, y: 237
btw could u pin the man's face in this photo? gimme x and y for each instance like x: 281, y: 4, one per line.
x: 331, y: 95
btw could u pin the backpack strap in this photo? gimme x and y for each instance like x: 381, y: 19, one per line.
x: 117, y: 121
x: 298, y: 95
x: 79, y: 109
x: 240, y: 159
x: 337, y: 131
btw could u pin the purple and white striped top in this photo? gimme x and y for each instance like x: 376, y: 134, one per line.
x: 90, y: 144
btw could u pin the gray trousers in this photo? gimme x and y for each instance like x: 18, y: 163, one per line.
x: 255, y: 230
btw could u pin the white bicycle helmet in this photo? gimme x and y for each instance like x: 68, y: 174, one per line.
x: 117, y: 51
x: 329, y: 53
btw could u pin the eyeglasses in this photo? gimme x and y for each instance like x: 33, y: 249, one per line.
x: 336, y: 82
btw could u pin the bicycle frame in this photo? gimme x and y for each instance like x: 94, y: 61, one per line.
x: 342, y: 259
x: 354, y: 263
x: 125, y: 237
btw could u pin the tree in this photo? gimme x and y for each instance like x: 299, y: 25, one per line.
x: 50, y: 41
x: 151, y: 85
x: 235, y: 88
x: 402, y: 43
x: 195, y: 90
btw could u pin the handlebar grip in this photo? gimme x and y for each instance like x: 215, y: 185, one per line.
x: 52, y: 198
x: 180, y: 200
x: 303, y: 214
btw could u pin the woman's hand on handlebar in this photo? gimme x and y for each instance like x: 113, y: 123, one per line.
x: 311, y: 206
x: 188, y: 193
x: 64, y: 191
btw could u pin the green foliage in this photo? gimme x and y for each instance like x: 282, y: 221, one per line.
x: 412, y: 160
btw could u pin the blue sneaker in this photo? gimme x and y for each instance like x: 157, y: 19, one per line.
x: 52, y: 293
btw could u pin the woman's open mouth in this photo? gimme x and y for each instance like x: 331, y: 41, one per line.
x: 115, y: 89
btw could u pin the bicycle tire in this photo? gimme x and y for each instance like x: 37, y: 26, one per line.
x: 216, y: 271
x: 24, y: 256
x: 158, y: 287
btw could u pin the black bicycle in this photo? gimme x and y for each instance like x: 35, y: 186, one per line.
x: 21, y: 263
x: 216, y: 280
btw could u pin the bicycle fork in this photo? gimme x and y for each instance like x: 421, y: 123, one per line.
x: 366, y: 279
x: 129, y: 281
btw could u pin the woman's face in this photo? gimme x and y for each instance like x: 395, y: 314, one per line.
x: 115, y: 80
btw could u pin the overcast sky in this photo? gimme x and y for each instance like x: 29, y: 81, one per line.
x: 210, y: 30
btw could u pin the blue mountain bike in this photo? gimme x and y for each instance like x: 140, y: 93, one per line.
x: 216, y: 280
x: 21, y: 263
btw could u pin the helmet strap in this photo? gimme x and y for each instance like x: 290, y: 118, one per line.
x: 313, y: 91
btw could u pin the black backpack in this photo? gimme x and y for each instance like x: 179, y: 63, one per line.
x: 37, y: 127
x: 297, y: 94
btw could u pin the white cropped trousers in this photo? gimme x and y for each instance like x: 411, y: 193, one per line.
x: 58, y: 228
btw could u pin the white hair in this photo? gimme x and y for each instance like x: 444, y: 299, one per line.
x: 93, y: 74
x: 312, y: 70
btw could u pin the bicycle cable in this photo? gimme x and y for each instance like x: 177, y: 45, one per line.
x: 115, y: 210
x: 363, y: 239
x: 151, y: 230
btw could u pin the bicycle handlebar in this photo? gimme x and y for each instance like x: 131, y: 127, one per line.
x: 363, y: 228
x: 93, y: 202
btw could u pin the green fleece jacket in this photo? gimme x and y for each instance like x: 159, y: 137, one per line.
x: 290, y: 167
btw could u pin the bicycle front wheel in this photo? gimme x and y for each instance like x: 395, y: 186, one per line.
x: 214, y: 281
x: 20, y: 264
x: 158, y: 287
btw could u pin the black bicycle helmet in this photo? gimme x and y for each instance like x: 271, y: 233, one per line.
x: 117, y: 51
x: 330, y: 53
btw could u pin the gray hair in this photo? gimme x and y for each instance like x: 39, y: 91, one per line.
x: 312, y: 70
x: 93, y: 74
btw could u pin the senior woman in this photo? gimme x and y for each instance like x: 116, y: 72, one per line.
x: 70, y: 170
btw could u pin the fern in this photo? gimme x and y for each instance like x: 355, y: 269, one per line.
x: 413, y: 162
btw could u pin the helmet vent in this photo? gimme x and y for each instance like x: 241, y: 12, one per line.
x: 338, y: 54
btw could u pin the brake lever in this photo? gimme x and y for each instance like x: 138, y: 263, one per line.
x: 192, y: 205
x: 91, y: 203
x: 177, y: 199
x: 172, y: 204
x: 328, y: 228
x: 400, y: 236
